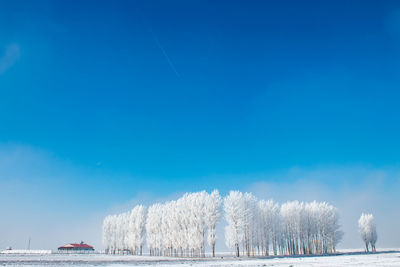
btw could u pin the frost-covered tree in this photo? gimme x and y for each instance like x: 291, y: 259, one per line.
x: 136, y: 229
x: 111, y: 239
x: 124, y: 232
x: 249, y: 222
x: 309, y: 228
x: 234, y: 208
x: 367, y: 228
x: 182, y: 227
x: 294, y: 228
x: 107, y: 233
x: 153, y: 229
x: 241, y: 216
x: 212, y: 216
x: 291, y: 215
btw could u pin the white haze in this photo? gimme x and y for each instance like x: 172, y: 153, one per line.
x: 34, y: 190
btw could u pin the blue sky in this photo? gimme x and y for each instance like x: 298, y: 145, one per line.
x: 103, y: 105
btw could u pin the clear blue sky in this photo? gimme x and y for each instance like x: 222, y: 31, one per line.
x: 101, y: 101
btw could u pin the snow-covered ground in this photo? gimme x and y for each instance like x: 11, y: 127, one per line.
x: 344, y: 258
x: 25, y: 251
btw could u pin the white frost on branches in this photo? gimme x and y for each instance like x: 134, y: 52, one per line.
x: 254, y: 227
x: 125, y: 232
x: 181, y: 227
x: 294, y: 228
x: 212, y: 216
x: 367, y: 228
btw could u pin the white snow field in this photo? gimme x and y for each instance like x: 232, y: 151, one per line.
x: 344, y: 258
x: 25, y: 251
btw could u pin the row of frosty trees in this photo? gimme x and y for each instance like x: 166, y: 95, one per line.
x: 254, y: 227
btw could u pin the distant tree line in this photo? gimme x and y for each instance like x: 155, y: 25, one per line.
x: 254, y: 227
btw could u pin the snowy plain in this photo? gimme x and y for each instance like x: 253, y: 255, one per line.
x: 387, y: 257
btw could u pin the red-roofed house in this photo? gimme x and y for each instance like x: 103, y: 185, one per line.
x: 73, y: 247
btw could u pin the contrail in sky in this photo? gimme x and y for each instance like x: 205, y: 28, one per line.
x: 166, y: 56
